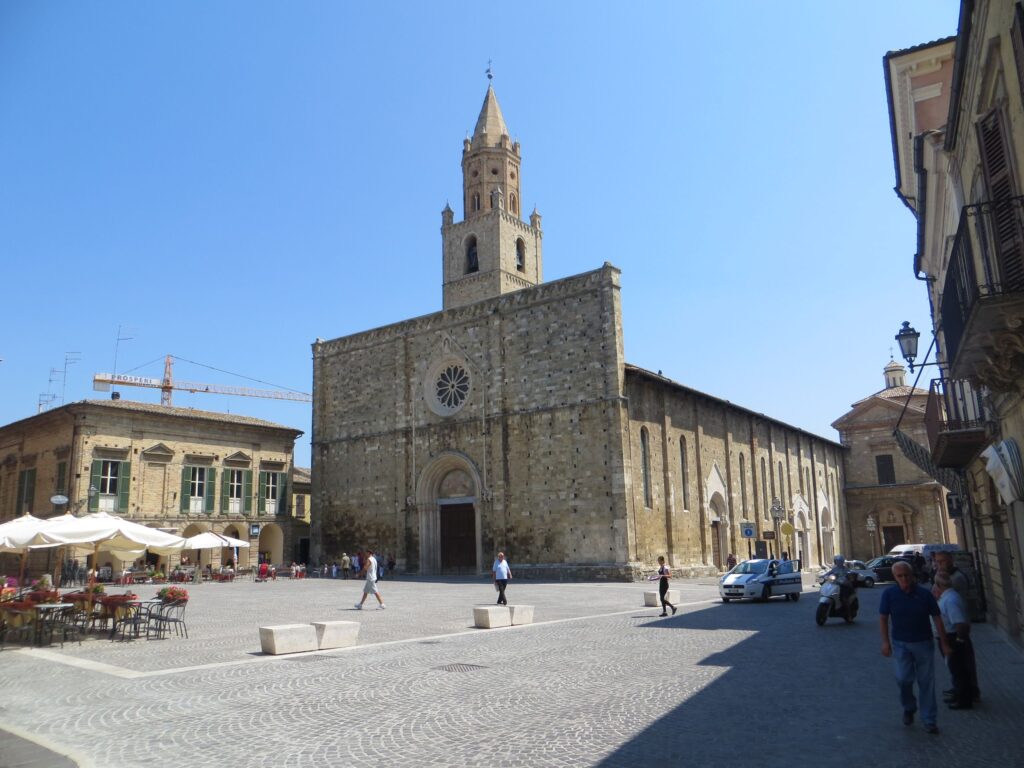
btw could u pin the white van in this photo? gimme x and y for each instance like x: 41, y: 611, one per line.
x: 925, y: 550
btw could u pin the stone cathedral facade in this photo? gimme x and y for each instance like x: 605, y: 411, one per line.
x: 511, y: 421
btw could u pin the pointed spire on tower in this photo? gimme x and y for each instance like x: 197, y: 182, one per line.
x: 490, y: 124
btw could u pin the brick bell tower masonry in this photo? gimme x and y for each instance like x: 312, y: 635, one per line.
x: 492, y: 251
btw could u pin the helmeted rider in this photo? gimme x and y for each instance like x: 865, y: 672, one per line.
x: 843, y: 578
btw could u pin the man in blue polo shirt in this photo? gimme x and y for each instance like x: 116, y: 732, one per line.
x: 910, y: 607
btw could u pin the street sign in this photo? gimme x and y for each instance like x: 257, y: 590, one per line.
x: 767, y: 535
x: 748, y: 531
x: 787, y: 529
x: 58, y: 499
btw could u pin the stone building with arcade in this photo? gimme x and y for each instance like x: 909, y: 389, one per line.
x: 510, y: 420
x: 181, y: 470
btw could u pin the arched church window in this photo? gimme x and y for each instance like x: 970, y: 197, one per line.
x: 476, y: 202
x: 645, y: 464
x: 520, y: 253
x: 513, y: 203
x: 782, y: 484
x: 764, y: 489
x: 743, y: 486
x: 684, y: 473
x: 472, y: 263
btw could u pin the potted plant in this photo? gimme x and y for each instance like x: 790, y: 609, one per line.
x: 172, y: 594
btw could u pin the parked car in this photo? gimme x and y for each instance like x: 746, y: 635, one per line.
x: 866, y: 577
x: 882, y: 566
x: 761, y: 579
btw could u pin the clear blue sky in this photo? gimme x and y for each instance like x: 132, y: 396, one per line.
x: 230, y: 180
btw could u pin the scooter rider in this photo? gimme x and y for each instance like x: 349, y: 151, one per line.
x: 843, y: 578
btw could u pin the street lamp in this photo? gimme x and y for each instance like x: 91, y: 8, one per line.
x: 907, y: 337
x: 778, y: 512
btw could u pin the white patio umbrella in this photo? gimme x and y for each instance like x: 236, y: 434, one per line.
x: 19, y: 534
x: 101, y: 531
x: 211, y: 540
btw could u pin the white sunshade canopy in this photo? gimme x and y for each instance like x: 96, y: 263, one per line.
x: 211, y: 540
x: 19, y: 534
x: 109, y: 533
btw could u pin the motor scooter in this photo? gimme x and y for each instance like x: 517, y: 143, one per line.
x: 830, y: 604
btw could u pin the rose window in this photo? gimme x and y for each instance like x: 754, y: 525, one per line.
x: 452, y: 386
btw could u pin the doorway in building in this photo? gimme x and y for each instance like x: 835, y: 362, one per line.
x: 892, y: 536
x: 716, y: 544
x: 458, y: 539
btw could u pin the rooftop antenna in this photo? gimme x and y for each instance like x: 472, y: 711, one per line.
x: 117, y: 344
x: 70, y: 358
x: 45, y: 398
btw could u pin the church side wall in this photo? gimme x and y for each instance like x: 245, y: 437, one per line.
x: 723, y: 448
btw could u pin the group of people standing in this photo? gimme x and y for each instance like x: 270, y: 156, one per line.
x: 907, y: 613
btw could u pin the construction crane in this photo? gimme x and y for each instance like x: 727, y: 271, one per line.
x: 102, y: 382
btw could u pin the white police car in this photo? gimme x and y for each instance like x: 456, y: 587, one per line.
x: 760, y: 580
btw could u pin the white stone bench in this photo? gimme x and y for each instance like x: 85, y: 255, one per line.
x: 521, y: 614
x: 651, y: 599
x: 336, y: 634
x: 491, y: 616
x: 288, y: 638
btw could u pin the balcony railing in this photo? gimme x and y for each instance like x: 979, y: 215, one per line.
x: 956, y: 422
x: 985, y: 266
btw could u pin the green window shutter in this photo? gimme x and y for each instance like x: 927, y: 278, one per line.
x: 261, y: 502
x: 283, y: 498
x: 124, y: 479
x: 247, y: 491
x: 62, y: 477
x: 31, y: 489
x: 186, y: 484
x: 225, y: 486
x: 211, y: 488
x: 18, y: 511
x: 94, y: 482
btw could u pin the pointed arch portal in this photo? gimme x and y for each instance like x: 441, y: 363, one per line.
x: 447, y: 496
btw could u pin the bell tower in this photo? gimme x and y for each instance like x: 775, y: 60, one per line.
x: 492, y: 250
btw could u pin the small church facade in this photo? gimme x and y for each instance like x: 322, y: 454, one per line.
x: 511, y: 421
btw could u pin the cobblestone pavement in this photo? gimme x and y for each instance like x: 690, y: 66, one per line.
x: 598, y: 680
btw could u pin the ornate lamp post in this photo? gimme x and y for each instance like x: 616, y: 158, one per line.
x: 778, y: 512
x: 907, y: 337
x: 872, y: 527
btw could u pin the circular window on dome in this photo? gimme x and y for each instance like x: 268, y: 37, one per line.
x: 447, y: 387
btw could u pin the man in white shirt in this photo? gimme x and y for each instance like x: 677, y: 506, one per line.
x: 502, y: 573
x: 370, y: 585
x: 958, y: 628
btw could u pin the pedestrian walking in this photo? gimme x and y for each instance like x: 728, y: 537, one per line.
x: 960, y: 584
x: 502, y: 573
x: 665, y: 574
x: 346, y: 564
x: 370, y: 585
x: 958, y: 635
x: 730, y: 561
x: 909, y: 607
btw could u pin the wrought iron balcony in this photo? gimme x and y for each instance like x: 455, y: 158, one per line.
x: 982, y: 301
x: 956, y: 422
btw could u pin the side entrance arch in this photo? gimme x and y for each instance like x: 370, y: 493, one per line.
x: 447, y: 497
x: 271, y: 546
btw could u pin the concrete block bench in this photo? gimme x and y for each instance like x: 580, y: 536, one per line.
x: 491, y: 616
x: 651, y: 599
x: 336, y: 634
x: 521, y: 614
x: 288, y: 638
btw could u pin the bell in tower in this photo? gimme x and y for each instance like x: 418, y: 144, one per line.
x: 492, y: 251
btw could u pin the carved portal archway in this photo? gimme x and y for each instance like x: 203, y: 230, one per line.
x: 447, y: 501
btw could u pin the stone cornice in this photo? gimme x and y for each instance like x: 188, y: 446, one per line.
x: 558, y: 290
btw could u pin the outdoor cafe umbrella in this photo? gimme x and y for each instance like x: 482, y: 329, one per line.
x: 19, y: 534
x: 101, y: 531
x: 211, y: 540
